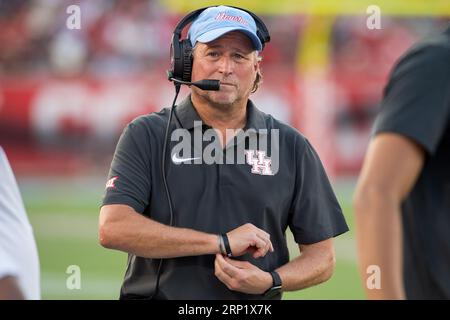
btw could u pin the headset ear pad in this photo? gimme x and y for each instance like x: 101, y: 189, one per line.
x: 181, y: 59
x: 186, y: 50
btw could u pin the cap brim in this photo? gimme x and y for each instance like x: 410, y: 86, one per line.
x: 216, y: 33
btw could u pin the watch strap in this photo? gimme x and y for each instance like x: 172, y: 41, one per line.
x: 276, y: 279
x: 276, y: 285
x: 226, y: 243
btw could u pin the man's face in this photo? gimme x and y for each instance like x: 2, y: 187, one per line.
x: 230, y: 59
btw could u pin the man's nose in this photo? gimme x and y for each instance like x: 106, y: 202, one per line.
x: 226, y: 65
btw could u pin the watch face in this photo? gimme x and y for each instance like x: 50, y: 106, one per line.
x: 272, y: 292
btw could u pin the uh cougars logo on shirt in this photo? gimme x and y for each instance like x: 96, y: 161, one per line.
x: 259, y: 162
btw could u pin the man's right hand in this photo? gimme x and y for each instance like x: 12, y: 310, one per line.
x: 249, y: 239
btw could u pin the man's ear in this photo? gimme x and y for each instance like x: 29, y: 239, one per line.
x: 256, y: 70
x: 256, y: 65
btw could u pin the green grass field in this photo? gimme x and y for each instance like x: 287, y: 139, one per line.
x: 64, y: 215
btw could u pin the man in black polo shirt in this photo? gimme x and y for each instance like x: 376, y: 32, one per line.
x: 249, y: 186
x: 402, y: 201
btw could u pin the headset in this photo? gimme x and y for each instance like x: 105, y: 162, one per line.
x: 180, y: 73
x: 181, y: 50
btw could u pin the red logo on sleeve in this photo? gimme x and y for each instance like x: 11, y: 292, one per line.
x: 111, y: 182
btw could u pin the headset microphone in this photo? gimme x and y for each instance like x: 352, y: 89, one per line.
x: 206, y: 84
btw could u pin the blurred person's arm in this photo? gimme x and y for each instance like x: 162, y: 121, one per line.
x: 390, y: 170
x: 9, y: 289
x: 122, y: 228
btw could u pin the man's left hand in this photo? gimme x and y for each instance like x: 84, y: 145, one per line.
x: 242, y: 276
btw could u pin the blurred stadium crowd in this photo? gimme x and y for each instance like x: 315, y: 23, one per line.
x: 65, y: 95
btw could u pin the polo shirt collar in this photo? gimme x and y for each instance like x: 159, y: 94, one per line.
x: 186, y: 114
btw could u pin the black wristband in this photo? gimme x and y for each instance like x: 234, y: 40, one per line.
x: 276, y: 286
x: 227, y: 245
x: 276, y: 279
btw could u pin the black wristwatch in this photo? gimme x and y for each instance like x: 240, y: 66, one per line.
x: 276, y: 285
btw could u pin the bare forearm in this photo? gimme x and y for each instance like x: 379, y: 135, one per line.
x: 309, y: 269
x: 379, y: 238
x: 168, y: 242
x: 147, y: 238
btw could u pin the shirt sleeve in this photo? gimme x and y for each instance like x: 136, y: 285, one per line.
x: 416, y: 100
x: 13, y: 220
x: 129, y: 179
x: 315, y: 212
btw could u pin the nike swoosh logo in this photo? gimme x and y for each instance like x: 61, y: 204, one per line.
x: 175, y: 159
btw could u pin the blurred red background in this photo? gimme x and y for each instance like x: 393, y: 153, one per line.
x: 65, y: 95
